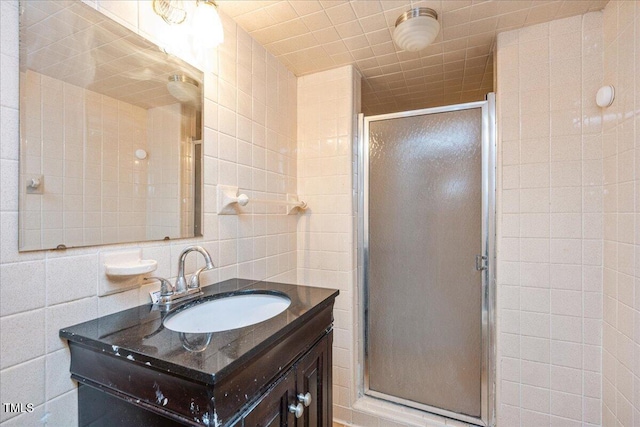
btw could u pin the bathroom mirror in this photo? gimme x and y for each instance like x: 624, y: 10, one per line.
x: 110, y: 133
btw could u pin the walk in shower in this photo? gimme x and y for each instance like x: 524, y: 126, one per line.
x: 427, y: 259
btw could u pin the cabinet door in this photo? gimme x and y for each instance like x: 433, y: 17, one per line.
x: 313, y: 376
x: 273, y: 409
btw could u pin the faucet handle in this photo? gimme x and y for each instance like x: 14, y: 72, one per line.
x: 194, y: 282
x: 166, y: 289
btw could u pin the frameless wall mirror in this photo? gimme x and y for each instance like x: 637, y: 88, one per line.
x: 110, y: 133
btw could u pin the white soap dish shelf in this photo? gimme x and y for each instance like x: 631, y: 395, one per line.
x: 131, y: 268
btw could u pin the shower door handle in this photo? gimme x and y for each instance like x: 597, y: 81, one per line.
x: 481, y: 262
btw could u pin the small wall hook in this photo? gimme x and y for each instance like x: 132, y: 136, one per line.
x: 605, y: 96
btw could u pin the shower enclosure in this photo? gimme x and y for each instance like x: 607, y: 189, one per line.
x: 427, y: 259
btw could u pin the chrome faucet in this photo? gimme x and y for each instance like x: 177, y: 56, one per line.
x: 180, y: 290
x: 181, y: 281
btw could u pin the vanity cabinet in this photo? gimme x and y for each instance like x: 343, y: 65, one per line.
x: 305, y: 388
x: 131, y: 370
x: 272, y: 410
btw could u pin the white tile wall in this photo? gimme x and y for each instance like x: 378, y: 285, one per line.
x: 550, y: 223
x: 42, y: 291
x: 83, y: 144
x: 163, y: 214
x: 621, y: 296
x: 327, y: 108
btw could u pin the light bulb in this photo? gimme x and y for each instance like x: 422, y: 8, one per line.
x: 208, y: 26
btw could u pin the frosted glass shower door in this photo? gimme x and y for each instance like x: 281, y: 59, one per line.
x: 424, y: 282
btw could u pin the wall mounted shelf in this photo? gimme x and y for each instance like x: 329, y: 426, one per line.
x: 122, y: 270
x: 228, y: 201
x: 131, y: 268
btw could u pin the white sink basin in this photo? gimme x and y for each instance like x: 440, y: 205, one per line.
x: 227, y: 313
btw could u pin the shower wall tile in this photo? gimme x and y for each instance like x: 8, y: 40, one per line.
x: 549, y: 337
x: 621, y: 305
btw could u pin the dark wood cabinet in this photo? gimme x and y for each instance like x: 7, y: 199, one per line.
x: 272, y: 410
x: 313, y: 382
x: 132, y: 370
x: 305, y: 388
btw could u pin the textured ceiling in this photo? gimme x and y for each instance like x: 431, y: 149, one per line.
x: 311, y: 35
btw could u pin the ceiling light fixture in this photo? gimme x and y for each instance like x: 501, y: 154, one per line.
x: 184, y: 89
x: 416, y: 29
x: 206, y: 21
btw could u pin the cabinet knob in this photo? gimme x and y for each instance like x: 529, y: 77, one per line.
x: 305, y: 399
x: 298, y: 409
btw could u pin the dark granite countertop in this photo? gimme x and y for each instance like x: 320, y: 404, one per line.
x: 137, y: 334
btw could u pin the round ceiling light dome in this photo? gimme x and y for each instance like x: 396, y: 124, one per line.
x: 416, y: 29
x: 184, y: 89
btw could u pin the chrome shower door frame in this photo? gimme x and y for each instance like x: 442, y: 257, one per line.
x: 488, y: 185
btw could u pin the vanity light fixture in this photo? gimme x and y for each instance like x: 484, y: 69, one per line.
x: 206, y: 21
x: 416, y: 29
x: 171, y: 11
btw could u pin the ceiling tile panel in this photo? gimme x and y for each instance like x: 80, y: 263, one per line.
x: 456, y: 17
x: 365, y: 64
x: 482, y: 40
x: 255, y: 20
x: 453, y: 56
x: 383, y: 49
x: 337, y: 47
x: 282, y: 11
x: 303, y: 8
x: 344, y: 58
x: 363, y: 8
x: 391, y: 59
x: 482, y: 26
x: 326, y: 4
x: 349, y: 29
x: 456, y: 32
x: 270, y: 35
x: 450, y: 5
x: 512, y: 19
x: 310, y: 36
x: 317, y: 21
x: 373, y: 22
x: 361, y: 54
x: 305, y: 41
x: 380, y: 36
x: 391, y: 68
x: 357, y: 42
x: 487, y: 9
x: 327, y: 35
x: 542, y: 12
x: 341, y: 14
